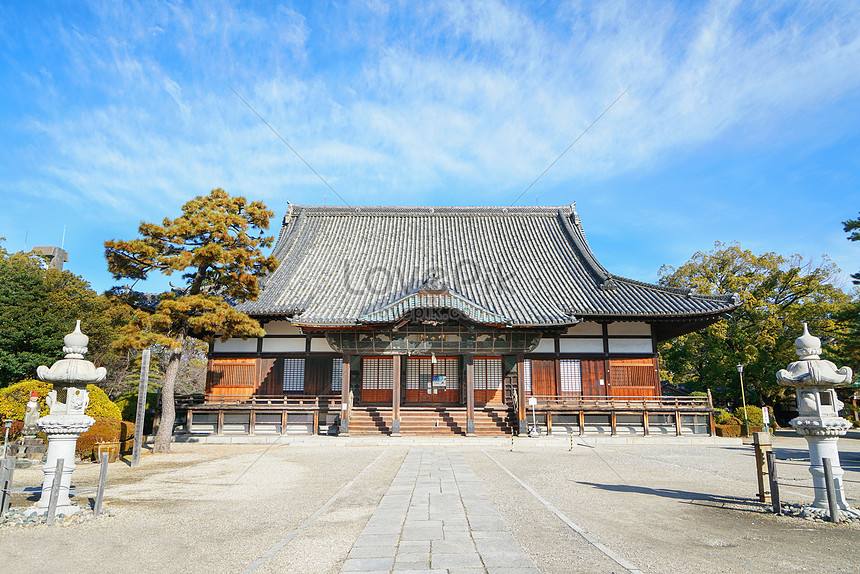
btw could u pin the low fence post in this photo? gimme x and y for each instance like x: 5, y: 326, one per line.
x: 7, y: 468
x: 832, y: 502
x: 101, y: 490
x: 55, y: 493
x: 763, y: 444
x: 774, y: 483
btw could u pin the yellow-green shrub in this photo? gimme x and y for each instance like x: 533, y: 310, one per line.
x: 13, y: 400
x: 754, y: 415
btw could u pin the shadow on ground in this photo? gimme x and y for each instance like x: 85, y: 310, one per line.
x: 753, y: 505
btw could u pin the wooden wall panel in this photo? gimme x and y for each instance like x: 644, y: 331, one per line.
x: 222, y: 373
x: 592, y: 372
x: 543, y: 378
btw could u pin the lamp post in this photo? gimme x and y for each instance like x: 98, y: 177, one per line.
x: 744, y: 400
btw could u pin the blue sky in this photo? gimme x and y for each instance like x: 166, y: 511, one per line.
x: 742, y: 122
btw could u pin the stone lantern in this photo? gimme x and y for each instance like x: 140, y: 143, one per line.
x: 818, y: 409
x: 66, y: 421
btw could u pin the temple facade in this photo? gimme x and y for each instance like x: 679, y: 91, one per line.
x: 450, y: 320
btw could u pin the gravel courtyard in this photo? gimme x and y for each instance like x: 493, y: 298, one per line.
x: 332, y: 505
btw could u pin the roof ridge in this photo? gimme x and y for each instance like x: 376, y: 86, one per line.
x: 429, y: 209
x: 689, y: 292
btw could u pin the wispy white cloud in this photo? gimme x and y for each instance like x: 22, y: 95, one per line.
x: 442, y: 102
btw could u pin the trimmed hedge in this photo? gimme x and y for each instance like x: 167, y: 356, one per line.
x: 754, y: 415
x: 106, y: 429
x: 728, y: 430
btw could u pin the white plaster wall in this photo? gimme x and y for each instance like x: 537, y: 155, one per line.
x: 281, y: 328
x: 622, y: 328
x: 284, y: 345
x: 630, y: 346
x: 586, y: 328
x: 545, y: 346
x: 321, y: 346
x: 235, y: 346
x: 580, y: 345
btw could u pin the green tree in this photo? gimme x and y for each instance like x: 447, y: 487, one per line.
x: 38, y: 307
x: 777, y: 294
x: 852, y: 227
x: 216, y: 246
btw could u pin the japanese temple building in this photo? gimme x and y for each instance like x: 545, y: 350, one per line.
x: 449, y: 320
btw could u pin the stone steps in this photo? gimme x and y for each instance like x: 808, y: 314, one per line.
x: 428, y: 421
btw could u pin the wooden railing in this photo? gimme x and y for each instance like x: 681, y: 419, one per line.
x: 610, y: 403
x: 279, y: 402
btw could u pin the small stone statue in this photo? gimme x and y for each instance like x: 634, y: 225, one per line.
x: 31, y: 415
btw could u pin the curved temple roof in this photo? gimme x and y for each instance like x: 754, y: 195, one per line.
x: 523, y: 266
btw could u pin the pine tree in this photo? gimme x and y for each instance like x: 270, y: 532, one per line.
x: 216, y: 246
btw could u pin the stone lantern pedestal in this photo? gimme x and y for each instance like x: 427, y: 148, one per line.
x: 66, y: 421
x: 818, y: 409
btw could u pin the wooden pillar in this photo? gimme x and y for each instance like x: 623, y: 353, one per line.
x: 219, y: 426
x: 521, y: 396
x: 284, y: 421
x: 677, y: 423
x: 252, y: 421
x: 316, y: 429
x: 548, y: 423
x: 581, y: 423
x: 645, y: 422
x: 395, y: 396
x: 470, y: 395
x: 613, y: 423
x: 711, y: 423
x: 344, y: 398
x: 189, y: 419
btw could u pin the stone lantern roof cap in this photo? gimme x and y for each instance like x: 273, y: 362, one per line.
x: 807, y: 346
x: 75, y: 343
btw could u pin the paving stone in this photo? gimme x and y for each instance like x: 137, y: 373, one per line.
x: 367, y: 564
x: 461, y: 545
x: 412, y: 546
x: 372, y: 552
x: 412, y: 557
x: 376, y: 540
x: 422, y: 533
x: 436, y: 517
x: 463, y: 560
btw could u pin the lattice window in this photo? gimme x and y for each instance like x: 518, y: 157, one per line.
x: 488, y: 373
x: 421, y: 370
x: 571, y: 376
x: 632, y: 373
x: 449, y: 367
x: 527, y: 375
x: 294, y: 375
x: 377, y: 373
x: 336, y: 374
x: 418, y: 373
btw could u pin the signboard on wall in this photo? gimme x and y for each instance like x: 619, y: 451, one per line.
x: 438, y: 383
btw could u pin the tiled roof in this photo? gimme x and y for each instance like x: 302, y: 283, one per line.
x: 524, y: 266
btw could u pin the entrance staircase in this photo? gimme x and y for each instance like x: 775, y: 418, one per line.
x: 429, y: 421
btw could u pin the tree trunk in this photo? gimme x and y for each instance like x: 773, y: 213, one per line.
x: 168, y: 410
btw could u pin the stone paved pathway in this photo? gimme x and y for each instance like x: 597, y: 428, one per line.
x: 436, y: 517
